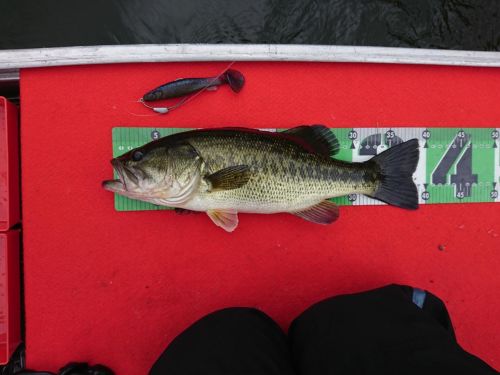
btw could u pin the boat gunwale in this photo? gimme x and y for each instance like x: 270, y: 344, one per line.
x: 14, y: 59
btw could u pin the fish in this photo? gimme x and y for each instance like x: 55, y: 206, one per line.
x: 226, y: 171
x: 186, y: 86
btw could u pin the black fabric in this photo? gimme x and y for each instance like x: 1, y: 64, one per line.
x: 379, y: 332
x: 376, y: 332
x: 235, y: 341
x: 73, y: 368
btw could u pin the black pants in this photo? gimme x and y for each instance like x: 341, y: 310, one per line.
x: 391, y: 330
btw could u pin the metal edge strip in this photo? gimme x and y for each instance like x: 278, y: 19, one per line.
x: 9, y: 75
x: 60, y: 56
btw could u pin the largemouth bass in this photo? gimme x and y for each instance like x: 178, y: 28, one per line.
x: 229, y: 170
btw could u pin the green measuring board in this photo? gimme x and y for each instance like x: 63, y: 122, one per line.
x: 457, y: 165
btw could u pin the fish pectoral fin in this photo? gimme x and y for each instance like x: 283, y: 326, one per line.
x: 229, y: 178
x: 325, y: 212
x: 227, y: 220
x: 315, y: 138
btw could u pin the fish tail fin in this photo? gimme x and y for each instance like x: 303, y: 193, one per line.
x: 235, y: 79
x: 396, y: 167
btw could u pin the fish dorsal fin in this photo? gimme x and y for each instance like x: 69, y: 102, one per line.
x: 325, y: 212
x: 317, y: 138
x: 229, y: 178
x: 226, y: 219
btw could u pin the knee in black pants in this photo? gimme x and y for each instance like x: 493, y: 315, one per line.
x: 228, y: 341
x: 381, y: 331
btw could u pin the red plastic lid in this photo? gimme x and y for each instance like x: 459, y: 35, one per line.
x: 9, y: 165
x: 10, y: 314
x: 3, y: 298
x: 4, y: 182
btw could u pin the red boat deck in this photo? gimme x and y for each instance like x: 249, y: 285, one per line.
x: 110, y: 287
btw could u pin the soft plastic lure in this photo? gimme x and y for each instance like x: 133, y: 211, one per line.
x: 187, y: 86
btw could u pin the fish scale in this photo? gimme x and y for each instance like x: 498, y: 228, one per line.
x: 284, y: 176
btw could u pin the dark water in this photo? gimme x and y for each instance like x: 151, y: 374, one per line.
x: 447, y: 24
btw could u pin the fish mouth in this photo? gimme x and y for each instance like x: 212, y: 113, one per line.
x: 125, y: 177
x: 115, y: 186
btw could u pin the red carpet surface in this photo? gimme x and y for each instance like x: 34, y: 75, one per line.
x: 116, y: 288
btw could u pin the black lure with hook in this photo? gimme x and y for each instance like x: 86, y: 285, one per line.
x: 186, y: 86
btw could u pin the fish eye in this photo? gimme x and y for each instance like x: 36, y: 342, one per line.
x: 137, y: 156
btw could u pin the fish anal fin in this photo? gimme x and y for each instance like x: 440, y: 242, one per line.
x: 229, y: 178
x: 315, y: 138
x: 325, y: 212
x: 227, y: 220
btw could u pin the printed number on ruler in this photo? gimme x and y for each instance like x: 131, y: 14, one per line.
x: 463, y: 178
